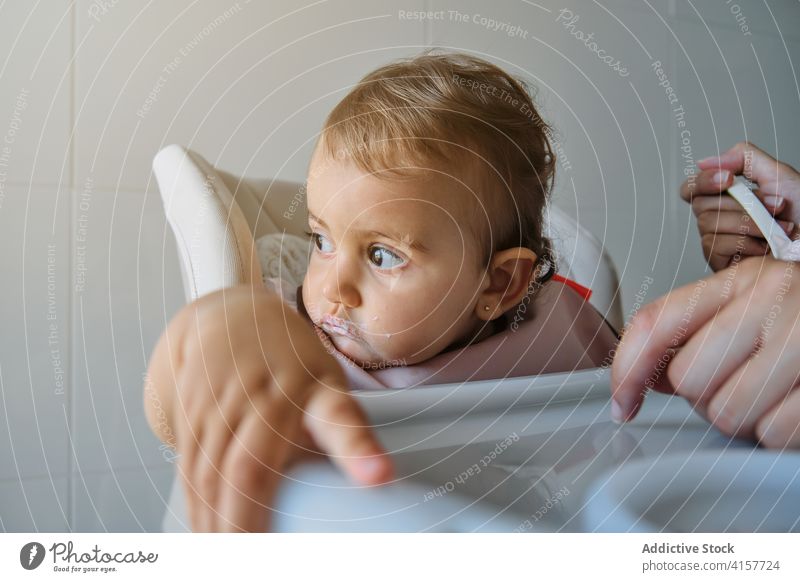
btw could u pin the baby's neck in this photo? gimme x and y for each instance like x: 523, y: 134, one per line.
x: 481, y: 331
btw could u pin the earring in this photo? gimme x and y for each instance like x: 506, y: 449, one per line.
x: 486, y: 308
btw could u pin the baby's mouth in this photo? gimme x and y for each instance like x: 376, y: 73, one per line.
x: 338, y: 326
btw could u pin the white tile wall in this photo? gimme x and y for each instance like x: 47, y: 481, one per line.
x: 127, y: 294
x: 773, y: 18
x: 34, y: 343
x: 121, y: 500
x: 38, y: 504
x: 246, y: 83
x: 90, y: 91
x: 35, y: 99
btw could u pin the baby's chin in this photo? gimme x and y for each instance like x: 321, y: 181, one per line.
x: 364, y: 355
x: 357, y: 350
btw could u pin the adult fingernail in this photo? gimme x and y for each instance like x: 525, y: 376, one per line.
x: 617, y: 413
x: 721, y: 177
x: 772, y: 200
x: 788, y: 227
x: 373, y: 469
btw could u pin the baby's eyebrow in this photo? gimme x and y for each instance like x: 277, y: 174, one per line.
x: 404, y: 240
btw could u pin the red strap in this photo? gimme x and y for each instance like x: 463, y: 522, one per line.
x: 584, y: 292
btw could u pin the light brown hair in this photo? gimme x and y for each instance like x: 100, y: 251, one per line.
x: 454, y: 110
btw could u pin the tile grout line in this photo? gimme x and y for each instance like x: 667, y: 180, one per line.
x: 674, y: 165
x: 146, y: 468
x: 112, y: 188
x: 70, y: 295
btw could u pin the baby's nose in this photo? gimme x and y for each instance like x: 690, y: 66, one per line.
x: 340, y: 287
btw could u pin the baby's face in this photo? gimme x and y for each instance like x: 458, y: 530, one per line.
x: 395, y: 271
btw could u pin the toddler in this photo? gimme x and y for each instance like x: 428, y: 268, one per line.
x: 428, y: 264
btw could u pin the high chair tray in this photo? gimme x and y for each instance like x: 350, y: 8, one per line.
x: 540, y: 454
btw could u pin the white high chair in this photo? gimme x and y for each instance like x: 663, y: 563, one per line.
x: 216, y: 218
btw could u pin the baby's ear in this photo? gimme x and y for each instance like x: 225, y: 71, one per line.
x: 509, y: 274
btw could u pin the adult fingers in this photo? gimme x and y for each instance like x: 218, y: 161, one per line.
x: 734, y: 222
x: 716, y: 350
x: 340, y: 427
x: 714, y: 202
x: 779, y: 428
x: 743, y: 158
x: 746, y: 396
x: 720, y: 248
x: 707, y: 182
x: 654, y: 336
x: 764, y: 379
x: 774, y: 178
x: 726, y: 222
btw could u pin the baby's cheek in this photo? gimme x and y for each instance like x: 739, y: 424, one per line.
x: 415, y: 329
x: 401, y: 319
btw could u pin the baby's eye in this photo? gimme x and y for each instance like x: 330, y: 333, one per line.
x: 322, y: 243
x: 383, y: 258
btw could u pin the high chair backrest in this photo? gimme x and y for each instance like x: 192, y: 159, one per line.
x: 216, y: 218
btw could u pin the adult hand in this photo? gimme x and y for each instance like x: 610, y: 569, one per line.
x: 245, y: 386
x: 729, y: 344
x: 724, y: 231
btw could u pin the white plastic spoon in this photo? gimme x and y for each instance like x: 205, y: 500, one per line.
x: 783, y: 248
